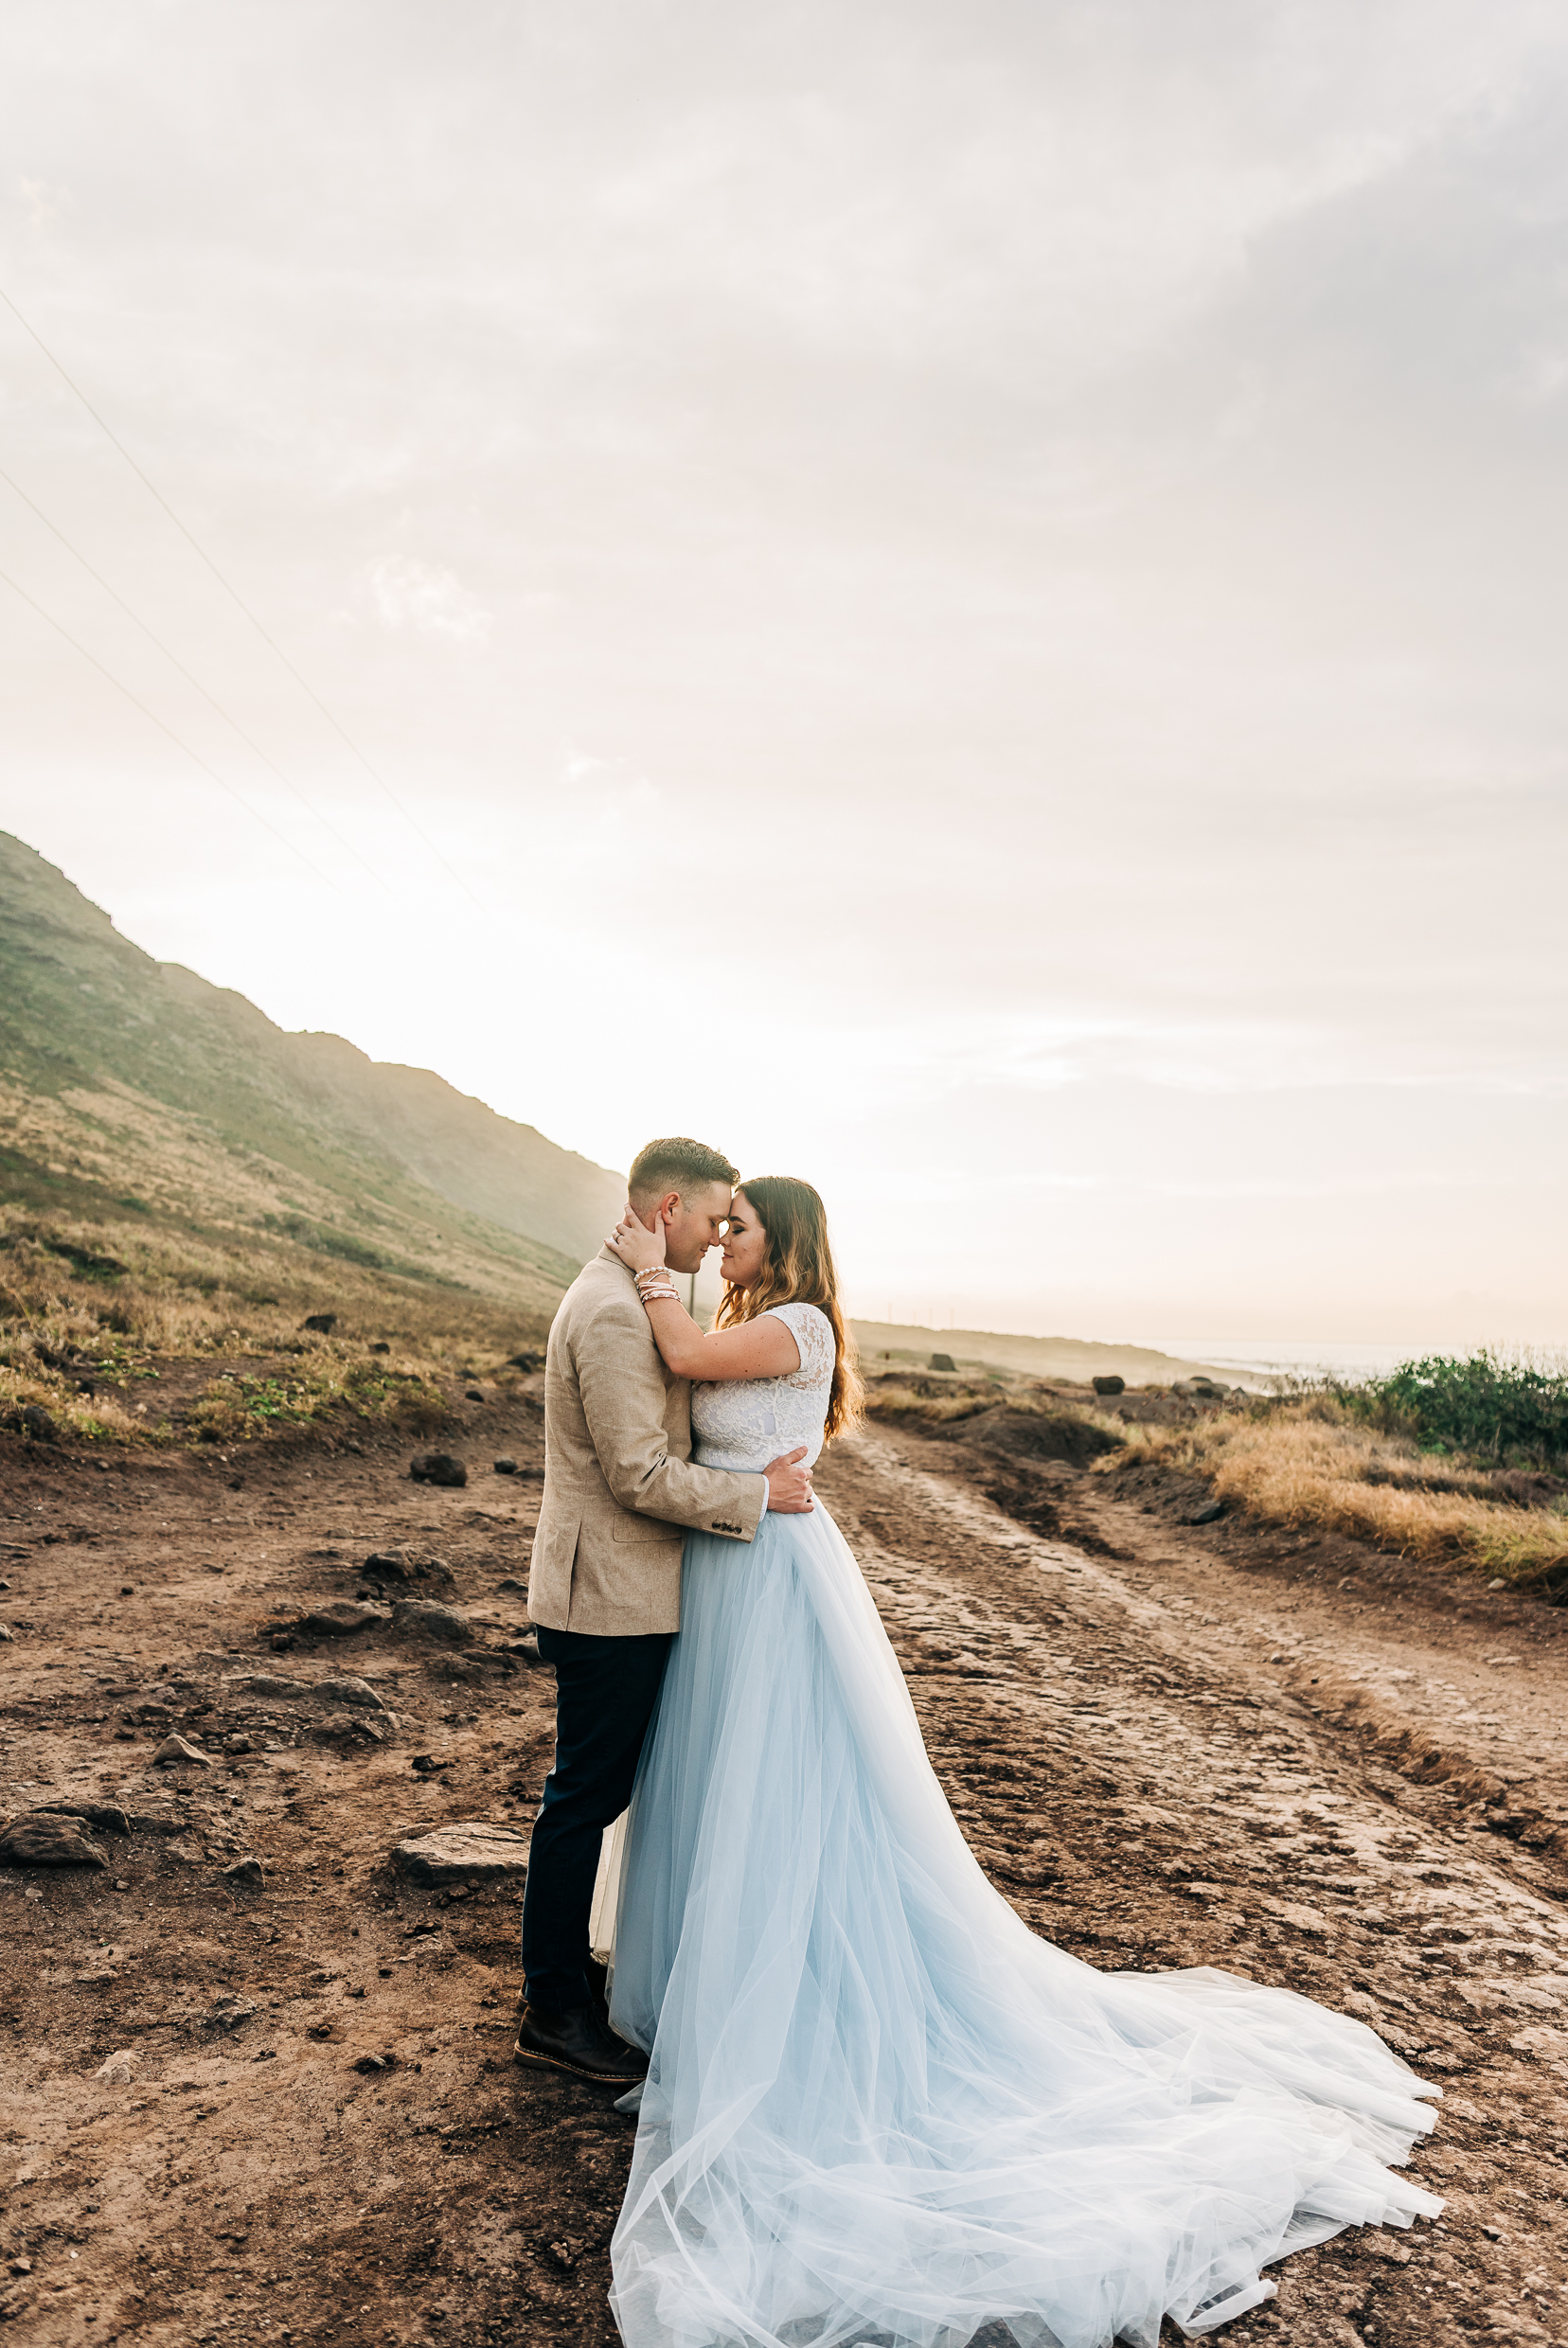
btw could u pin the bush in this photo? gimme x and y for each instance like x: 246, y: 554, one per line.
x: 1493, y: 1409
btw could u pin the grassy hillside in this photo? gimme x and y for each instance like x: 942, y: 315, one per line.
x: 180, y: 1180
x: 131, y: 1064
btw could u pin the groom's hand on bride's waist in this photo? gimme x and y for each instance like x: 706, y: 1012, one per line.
x: 789, y: 1484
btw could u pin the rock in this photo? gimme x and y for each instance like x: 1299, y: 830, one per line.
x: 474, y: 1851
x: 369, y: 2064
x: 528, y: 1362
x: 349, y: 1732
x: 472, y: 1393
x: 230, y: 2012
x: 526, y: 1650
x: 1108, y: 1383
x: 8, y: 1635
x: 49, y: 1839
x: 117, y: 2070
x: 244, y: 1874
x: 941, y: 1361
x: 425, y: 1765
x: 322, y: 1322
x: 457, y: 1668
x: 407, y: 1564
x: 437, y: 1468
x: 506, y: 1467
x: 179, y: 1749
x: 341, y: 1618
x: 421, y: 1618
x: 32, y: 1420
x: 511, y: 1582
x: 101, y: 1814
x: 379, y: 1345
x: 1207, y: 1513
x: 342, y: 1695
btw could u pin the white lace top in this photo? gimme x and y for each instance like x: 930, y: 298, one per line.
x: 745, y: 1423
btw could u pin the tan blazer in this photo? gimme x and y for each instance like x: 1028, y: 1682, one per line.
x: 618, y: 1479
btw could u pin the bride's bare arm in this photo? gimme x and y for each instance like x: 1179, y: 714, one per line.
x: 762, y: 1349
x: 759, y: 1348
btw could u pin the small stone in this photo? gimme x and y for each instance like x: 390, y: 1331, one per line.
x: 238, y: 1744
x: 6, y: 1635
x: 121, y: 1884
x: 941, y: 1361
x: 407, y: 1565
x: 504, y: 1467
x: 49, y: 1839
x: 528, y: 1362
x: 344, y: 1694
x: 442, y: 1467
x: 379, y: 1345
x: 244, y: 1872
x: 472, y: 1393
x: 21, y: 2266
x: 177, y: 1750
x: 419, y: 1618
x: 342, y: 1617
x: 322, y: 1322
x: 117, y: 2070
x: 319, y: 2029
x: 458, y: 1670
x: 1207, y: 1513
x: 475, y: 1850
x: 127, y: 1590
x: 1108, y: 1383
x: 348, y: 1732
x: 1497, y: 1585
x: 107, y: 1815
x: 511, y: 1582
x: 230, y: 2012
x: 368, y: 2064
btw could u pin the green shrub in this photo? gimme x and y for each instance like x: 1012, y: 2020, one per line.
x: 1486, y: 1407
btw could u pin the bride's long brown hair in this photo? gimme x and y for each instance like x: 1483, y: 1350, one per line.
x: 798, y: 1269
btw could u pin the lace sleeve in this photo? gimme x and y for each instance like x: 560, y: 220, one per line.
x: 813, y: 1333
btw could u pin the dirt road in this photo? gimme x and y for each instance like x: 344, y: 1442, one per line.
x: 1169, y: 1745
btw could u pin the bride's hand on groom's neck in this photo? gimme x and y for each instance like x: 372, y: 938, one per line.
x: 638, y: 1248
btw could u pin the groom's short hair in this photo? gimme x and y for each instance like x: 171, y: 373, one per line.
x: 678, y: 1163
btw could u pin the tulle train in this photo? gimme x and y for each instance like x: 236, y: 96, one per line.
x: 880, y: 2110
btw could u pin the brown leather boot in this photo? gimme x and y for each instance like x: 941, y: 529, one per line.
x: 577, y: 2042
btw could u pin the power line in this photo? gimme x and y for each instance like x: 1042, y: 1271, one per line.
x: 239, y: 600
x: 211, y: 699
x: 194, y: 756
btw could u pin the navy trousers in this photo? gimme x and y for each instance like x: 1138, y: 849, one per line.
x: 605, y: 1693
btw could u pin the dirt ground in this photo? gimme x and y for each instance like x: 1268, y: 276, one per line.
x: 1170, y: 1744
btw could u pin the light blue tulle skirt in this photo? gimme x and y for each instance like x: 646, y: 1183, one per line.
x: 879, y: 2109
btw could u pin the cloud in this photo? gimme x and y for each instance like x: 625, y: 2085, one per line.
x: 402, y: 591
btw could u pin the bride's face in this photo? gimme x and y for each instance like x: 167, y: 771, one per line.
x: 745, y: 1254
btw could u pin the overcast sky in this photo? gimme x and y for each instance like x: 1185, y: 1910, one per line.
x: 966, y: 601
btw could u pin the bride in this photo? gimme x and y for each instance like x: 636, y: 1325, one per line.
x: 880, y: 2112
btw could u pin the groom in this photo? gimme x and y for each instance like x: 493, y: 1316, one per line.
x: 604, y: 1587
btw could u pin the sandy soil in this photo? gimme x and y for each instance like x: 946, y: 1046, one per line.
x: 1170, y: 1744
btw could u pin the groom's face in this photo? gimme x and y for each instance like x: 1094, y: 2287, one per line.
x: 695, y: 1225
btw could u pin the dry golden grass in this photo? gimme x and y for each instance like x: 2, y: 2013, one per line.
x: 884, y: 1400
x: 116, y: 1302
x: 1308, y: 1463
